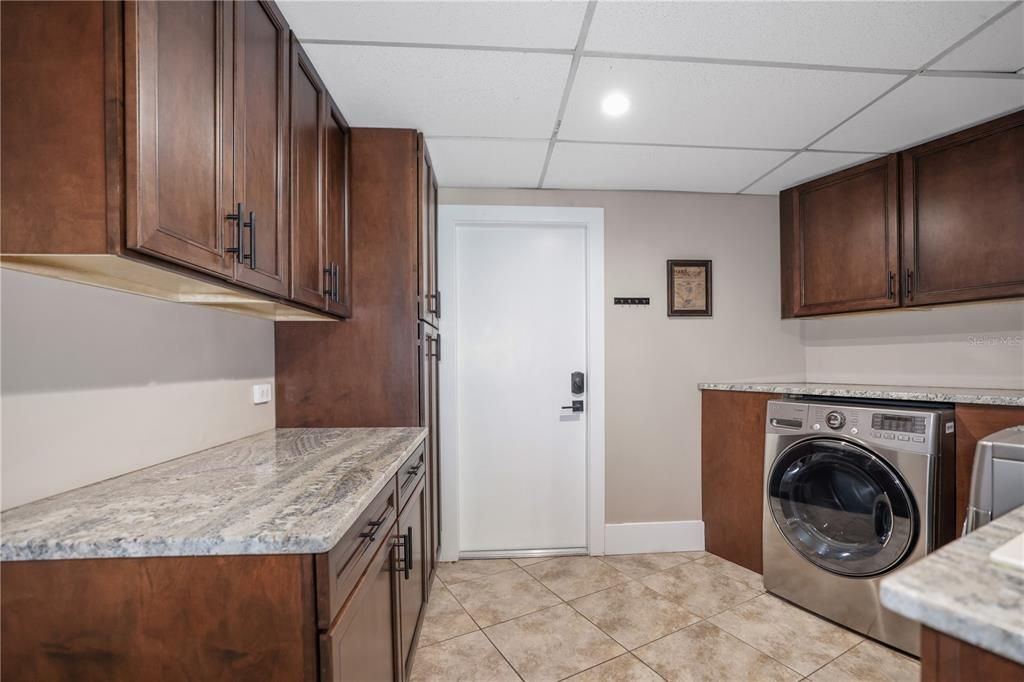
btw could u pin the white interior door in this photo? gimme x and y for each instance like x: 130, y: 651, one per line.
x: 521, y: 332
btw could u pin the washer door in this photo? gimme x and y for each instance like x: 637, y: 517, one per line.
x: 842, y: 507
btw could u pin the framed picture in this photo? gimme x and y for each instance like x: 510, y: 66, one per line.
x: 689, y: 288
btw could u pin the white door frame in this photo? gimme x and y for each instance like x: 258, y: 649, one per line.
x: 451, y: 216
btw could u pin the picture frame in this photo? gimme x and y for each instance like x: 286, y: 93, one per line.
x: 689, y: 288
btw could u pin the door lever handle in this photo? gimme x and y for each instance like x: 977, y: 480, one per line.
x: 577, y: 406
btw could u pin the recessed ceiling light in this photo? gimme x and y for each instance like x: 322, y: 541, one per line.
x: 615, y: 103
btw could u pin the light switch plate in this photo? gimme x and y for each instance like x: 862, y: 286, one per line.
x: 260, y: 394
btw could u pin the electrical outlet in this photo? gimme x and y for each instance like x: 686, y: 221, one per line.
x: 260, y: 394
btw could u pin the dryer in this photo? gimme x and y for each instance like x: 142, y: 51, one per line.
x: 854, y: 491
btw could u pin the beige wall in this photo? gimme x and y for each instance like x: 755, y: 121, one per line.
x: 978, y: 345
x: 653, y: 363
x: 96, y: 383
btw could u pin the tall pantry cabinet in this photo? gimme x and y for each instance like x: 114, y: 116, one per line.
x: 380, y: 367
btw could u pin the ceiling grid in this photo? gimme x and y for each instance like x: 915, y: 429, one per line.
x: 725, y: 71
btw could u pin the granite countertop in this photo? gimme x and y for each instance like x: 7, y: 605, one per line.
x: 958, y: 590
x: 936, y: 394
x: 283, y: 491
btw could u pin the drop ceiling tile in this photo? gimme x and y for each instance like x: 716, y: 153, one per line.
x: 683, y: 169
x: 504, y: 24
x: 925, y: 108
x: 713, y: 104
x: 1000, y: 47
x: 467, y: 93
x: 901, y: 35
x: 803, y: 167
x: 487, y: 163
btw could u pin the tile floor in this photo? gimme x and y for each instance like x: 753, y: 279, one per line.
x: 641, y: 617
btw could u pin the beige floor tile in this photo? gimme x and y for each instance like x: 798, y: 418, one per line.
x: 530, y: 561
x: 469, y: 658
x: 633, y: 614
x: 452, y: 572
x: 639, y: 565
x: 444, y: 618
x: 704, y: 653
x: 552, y: 644
x: 497, y: 598
x: 698, y: 554
x: 626, y: 668
x: 698, y: 589
x: 574, y: 576
x: 869, y: 662
x: 730, y: 570
x: 790, y: 635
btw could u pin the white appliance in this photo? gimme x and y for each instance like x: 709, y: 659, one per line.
x: 997, y: 480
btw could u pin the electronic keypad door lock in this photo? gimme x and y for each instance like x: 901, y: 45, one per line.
x: 577, y: 406
x: 576, y: 383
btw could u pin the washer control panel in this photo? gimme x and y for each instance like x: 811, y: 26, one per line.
x: 904, y: 428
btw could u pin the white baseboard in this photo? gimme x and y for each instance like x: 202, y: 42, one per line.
x: 665, y: 536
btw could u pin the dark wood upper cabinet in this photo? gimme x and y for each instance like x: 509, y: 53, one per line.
x: 338, y: 268
x: 842, y: 247
x: 308, y: 100
x: 53, y: 173
x: 178, y: 130
x: 261, y: 147
x: 429, y: 296
x: 942, y: 222
x: 963, y: 215
x: 148, y: 147
x: 364, y: 372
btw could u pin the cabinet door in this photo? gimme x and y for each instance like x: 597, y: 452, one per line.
x: 261, y: 147
x: 963, y: 211
x: 842, y: 250
x: 430, y: 353
x: 307, y: 182
x: 429, y: 298
x: 178, y: 132
x: 339, y: 272
x: 413, y: 582
x: 363, y: 645
x: 435, y: 308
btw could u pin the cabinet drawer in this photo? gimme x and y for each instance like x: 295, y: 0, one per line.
x: 410, y: 474
x: 338, y: 571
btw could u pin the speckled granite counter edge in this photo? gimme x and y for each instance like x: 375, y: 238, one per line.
x: 925, y: 393
x: 923, y: 592
x: 248, y: 544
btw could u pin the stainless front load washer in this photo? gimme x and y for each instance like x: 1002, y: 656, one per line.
x: 852, y: 493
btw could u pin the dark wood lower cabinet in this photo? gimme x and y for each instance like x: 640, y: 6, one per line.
x: 430, y: 356
x: 187, y: 618
x: 413, y: 583
x: 362, y: 643
x: 732, y: 474
x: 350, y: 614
x: 948, y: 659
